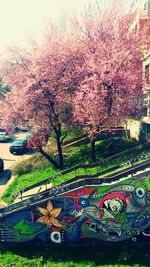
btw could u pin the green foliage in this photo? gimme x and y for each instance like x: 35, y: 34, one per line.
x: 70, y: 132
x: 81, y: 154
x: 89, y: 256
x: 147, y: 183
x: 3, y: 89
x: 22, y: 167
x: 77, y: 155
x: 36, y: 162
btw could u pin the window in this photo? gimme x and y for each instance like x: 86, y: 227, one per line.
x: 147, y: 73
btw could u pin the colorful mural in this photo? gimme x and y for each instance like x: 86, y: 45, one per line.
x: 84, y: 215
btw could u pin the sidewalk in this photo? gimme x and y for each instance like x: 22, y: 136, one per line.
x: 31, y: 192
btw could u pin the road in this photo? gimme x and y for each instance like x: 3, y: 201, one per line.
x: 9, y: 159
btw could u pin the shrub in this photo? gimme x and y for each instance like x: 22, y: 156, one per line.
x: 36, y: 162
x: 22, y: 168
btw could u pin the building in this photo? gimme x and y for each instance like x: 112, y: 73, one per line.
x: 141, y: 129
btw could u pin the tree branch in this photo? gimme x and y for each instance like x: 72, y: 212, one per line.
x: 63, y: 137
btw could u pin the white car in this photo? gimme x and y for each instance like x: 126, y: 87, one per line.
x: 4, y: 136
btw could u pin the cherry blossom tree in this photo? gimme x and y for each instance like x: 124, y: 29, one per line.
x: 111, y: 90
x: 39, y: 95
x: 3, y: 90
x: 92, y: 76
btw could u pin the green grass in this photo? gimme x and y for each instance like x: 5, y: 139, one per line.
x: 94, y: 170
x: 25, y: 180
x: 22, y: 181
x: 81, y: 154
x: 36, y: 162
x: 90, y: 256
x: 75, y: 156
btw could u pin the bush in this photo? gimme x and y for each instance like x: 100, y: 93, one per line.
x: 22, y: 168
x: 36, y: 162
x: 39, y: 162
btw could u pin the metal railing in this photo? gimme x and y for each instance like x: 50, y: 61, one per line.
x: 85, y: 166
x: 65, y: 187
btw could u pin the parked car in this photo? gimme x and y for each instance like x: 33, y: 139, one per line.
x: 23, y: 128
x: 18, y: 147
x: 5, y: 136
x: 2, y: 130
x: 1, y: 165
x: 10, y: 130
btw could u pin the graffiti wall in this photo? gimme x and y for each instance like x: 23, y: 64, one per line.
x: 89, y: 214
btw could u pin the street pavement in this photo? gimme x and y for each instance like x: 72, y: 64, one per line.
x: 9, y: 160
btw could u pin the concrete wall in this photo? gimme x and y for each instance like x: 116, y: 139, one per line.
x: 134, y: 127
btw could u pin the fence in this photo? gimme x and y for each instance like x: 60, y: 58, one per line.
x: 86, y: 166
x: 104, y: 134
x: 64, y: 188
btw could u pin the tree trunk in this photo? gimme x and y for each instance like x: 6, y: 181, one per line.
x: 59, y: 145
x: 92, y: 150
x: 109, y: 98
x: 60, y: 154
x: 48, y: 157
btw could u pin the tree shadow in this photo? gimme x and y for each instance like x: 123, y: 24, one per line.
x: 5, y: 176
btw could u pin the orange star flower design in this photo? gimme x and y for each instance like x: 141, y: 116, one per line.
x: 50, y: 215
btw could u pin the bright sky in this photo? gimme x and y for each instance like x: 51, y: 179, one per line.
x: 21, y: 20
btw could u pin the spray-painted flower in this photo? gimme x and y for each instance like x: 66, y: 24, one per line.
x: 50, y: 215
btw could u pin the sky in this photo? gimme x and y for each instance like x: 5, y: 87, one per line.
x: 22, y: 20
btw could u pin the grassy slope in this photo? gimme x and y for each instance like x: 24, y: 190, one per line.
x: 22, y: 181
